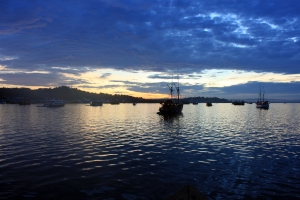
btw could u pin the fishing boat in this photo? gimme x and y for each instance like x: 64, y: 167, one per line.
x: 96, y: 103
x: 261, y: 103
x: 54, y: 103
x: 172, y: 105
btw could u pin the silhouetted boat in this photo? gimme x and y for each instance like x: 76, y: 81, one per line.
x: 134, y: 104
x: 238, y: 103
x: 96, y: 103
x: 2, y: 102
x: 208, y: 104
x: 54, y: 103
x: 172, y: 106
x: 261, y: 103
x: 24, y: 102
x: 114, y: 103
x: 195, y: 103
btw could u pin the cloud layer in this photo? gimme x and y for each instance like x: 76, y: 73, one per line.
x: 179, y: 36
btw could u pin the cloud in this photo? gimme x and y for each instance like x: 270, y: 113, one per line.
x: 105, y: 75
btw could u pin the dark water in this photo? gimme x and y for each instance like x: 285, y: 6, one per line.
x: 130, y: 152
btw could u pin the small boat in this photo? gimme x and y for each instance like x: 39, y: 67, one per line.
x: 261, y: 103
x: 114, y: 103
x: 134, y: 104
x: 171, y: 106
x: 188, y: 192
x: 54, y: 103
x: 2, y: 102
x: 208, y: 103
x: 96, y: 103
x: 24, y: 103
x: 185, y: 102
x: 195, y: 103
x: 238, y: 103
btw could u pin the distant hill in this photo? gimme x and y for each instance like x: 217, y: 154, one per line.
x: 71, y: 95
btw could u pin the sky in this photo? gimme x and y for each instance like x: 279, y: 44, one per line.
x: 212, y: 48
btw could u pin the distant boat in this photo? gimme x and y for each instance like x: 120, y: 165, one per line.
x: 2, y: 102
x: 96, y: 103
x: 208, y: 103
x: 261, y: 103
x: 238, y: 103
x: 24, y: 102
x: 54, y: 103
x: 249, y: 103
x: 114, y: 103
x: 173, y: 105
x: 185, y: 102
x: 134, y: 104
x: 195, y: 103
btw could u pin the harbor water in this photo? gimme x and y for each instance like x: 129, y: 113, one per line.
x: 130, y: 152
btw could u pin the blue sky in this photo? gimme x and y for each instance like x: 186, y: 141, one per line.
x: 227, y: 49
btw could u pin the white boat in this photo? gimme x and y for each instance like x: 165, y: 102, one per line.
x: 54, y: 103
x: 261, y: 103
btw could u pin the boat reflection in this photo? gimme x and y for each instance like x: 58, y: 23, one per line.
x: 170, y: 117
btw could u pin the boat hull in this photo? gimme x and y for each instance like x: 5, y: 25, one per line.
x: 262, y: 104
x: 170, y: 107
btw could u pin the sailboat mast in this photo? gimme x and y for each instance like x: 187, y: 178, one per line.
x: 178, y: 90
x: 171, y: 90
x: 260, y: 93
x: 263, y: 94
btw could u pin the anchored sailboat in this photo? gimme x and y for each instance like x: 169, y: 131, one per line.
x: 261, y: 103
x: 173, y: 105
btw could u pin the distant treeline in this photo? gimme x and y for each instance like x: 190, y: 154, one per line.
x: 74, y: 95
x: 206, y: 99
x: 66, y: 93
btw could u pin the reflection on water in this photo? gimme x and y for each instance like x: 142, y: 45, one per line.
x: 130, y: 152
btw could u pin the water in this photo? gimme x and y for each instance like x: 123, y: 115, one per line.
x: 130, y: 152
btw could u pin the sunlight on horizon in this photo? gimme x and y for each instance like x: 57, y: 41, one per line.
x: 147, y: 84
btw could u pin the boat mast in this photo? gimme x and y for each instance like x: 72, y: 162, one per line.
x: 177, y: 89
x: 171, y: 88
x: 263, y: 94
x: 260, y: 93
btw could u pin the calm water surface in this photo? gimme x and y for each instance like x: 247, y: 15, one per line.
x: 130, y: 152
